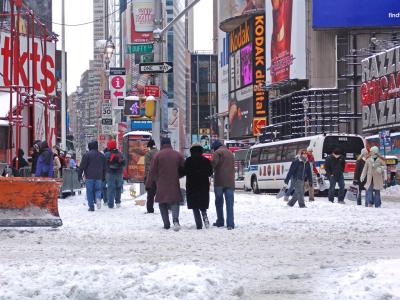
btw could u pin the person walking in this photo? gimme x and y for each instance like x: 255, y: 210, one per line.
x: 151, y: 192
x: 115, y: 163
x: 19, y: 162
x: 198, y: 169
x: 45, y: 163
x: 357, y: 175
x: 104, y: 184
x: 93, y: 166
x: 35, y: 156
x: 334, y: 167
x: 223, y: 163
x: 309, y: 186
x: 165, y: 170
x: 57, y: 165
x: 299, y: 173
x: 375, y: 174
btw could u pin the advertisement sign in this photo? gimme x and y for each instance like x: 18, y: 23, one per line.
x: 152, y: 90
x: 122, y: 127
x: 41, y: 66
x: 137, y: 149
x: 173, y: 126
x: 223, y: 72
x: 380, y: 93
x: 285, y: 40
x: 355, y: 13
x: 247, y: 71
x: 385, y: 141
x: 234, y: 8
x: 142, y: 24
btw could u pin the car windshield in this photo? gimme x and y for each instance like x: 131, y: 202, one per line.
x: 350, y: 146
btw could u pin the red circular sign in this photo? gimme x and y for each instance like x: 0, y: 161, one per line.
x: 118, y: 82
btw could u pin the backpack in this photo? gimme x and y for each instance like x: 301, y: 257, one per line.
x: 115, y: 161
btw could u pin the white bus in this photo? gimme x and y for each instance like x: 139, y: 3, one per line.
x: 267, y: 164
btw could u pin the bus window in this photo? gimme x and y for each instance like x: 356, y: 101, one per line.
x: 350, y: 146
x: 264, y: 155
x: 289, y: 152
x: 272, y: 153
x: 255, y: 156
x: 302, y: 146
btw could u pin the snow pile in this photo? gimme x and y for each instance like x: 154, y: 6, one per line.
x: 376, y: 280
x: 28, y: 212
x: 144, y: 281
x: 392, y: 192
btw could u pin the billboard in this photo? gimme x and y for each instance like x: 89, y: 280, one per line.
x: 41, y: 65
x: 223, y: 72
x: 355, y: 13
x: 247, y: 71
x: 285, y: 40
x: 234, y: 8
x: 142, y: 24
x: 380, y: 91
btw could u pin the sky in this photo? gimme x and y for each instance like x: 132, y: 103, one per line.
x: 79, y: 40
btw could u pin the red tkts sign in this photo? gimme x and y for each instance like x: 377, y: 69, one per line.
x: 152, y: 90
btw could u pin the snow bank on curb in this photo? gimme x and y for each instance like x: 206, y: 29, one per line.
x: 376, y: 280
x: 392, y: 192
x: 140, y: 281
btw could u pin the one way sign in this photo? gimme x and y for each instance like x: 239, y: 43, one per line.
x: 154, y: 68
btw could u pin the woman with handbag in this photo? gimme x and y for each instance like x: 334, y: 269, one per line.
x: 375, y: 174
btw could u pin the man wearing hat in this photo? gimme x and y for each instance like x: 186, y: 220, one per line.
x: 151, y: 192
x: 334, y: 167
x: 223, y: 163
x: 165, y: 170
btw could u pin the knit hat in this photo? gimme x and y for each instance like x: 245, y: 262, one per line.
x: 165, y: 141
x: 310, y: 149
x: 216, y: 145
x: 374, y: 150
x: 151, y: 144
x: 111, y: 145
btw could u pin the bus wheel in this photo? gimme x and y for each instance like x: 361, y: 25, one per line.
x: 254, y: 185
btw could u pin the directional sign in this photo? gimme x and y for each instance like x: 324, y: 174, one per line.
x: 153, y: 68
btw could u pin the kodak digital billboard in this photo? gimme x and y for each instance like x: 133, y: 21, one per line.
x: 247, y: 101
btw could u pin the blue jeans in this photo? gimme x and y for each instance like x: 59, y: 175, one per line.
x: 373, y: 196
x: 93, y: 191
x: 114, y: 188
x: 220, y: 192
x: 332, y: 181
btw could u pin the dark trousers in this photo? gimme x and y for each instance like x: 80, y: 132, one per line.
x: 164, y: 213
x: 198, y: 217
x: 339, y: 179
x: 151, y: 193
x: 104, y: 191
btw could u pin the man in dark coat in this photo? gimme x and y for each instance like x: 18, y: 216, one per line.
x: 165, y: 170
x: 18, y: 163
x: 93, y: 165
x: 198, y: 169
x: 115, y: 163
x: 35, y: 156
x: 45, y: 163
x: 299, y: 172
x: 151, y: 193
x: 223, y: 163
x: 334, y: 167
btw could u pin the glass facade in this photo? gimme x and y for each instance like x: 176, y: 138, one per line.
x: 203, y: 95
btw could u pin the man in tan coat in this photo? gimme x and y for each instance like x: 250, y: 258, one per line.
x: 223, y: 163
x: 375, y: 172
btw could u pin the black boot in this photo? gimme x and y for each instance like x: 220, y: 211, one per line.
x: 205, y: 219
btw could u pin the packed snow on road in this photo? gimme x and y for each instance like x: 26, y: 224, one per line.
x: 326, y: 251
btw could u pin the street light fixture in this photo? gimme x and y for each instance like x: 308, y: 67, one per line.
x: 108, y: 51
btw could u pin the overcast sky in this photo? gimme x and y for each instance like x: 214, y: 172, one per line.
x: 79, y: 43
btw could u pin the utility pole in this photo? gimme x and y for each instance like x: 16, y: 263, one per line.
x: 158, y: 34
x: 63, y: 81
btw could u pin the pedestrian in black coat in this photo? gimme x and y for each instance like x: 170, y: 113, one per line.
x: 198, y: 169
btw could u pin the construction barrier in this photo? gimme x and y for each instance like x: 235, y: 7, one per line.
x: 70, y: 181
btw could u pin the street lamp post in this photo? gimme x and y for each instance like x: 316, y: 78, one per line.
x: 305, y: 108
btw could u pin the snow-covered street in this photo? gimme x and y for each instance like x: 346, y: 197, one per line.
x: 327, y: 251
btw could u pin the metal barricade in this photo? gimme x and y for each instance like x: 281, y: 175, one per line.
x: 71, y: 182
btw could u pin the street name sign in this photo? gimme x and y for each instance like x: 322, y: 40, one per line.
x: 140, y: 48
x: 156, y: 68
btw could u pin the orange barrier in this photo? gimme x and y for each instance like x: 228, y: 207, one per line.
x: 29, y: 202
